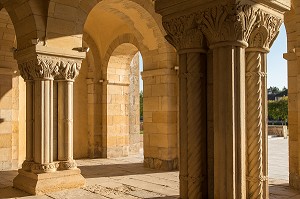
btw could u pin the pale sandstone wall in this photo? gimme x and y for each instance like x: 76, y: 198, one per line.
x: 292, y: 18
x: 81, y: 114
x: 12, y: 100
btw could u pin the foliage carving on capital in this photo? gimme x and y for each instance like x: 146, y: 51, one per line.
x: 227, y: 22
x: 183, y: 32
x: 40, y: 67
x: 49, y: 67
x: 265, y: 31
x: 68, y: 69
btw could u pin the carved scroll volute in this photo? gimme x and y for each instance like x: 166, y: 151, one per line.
x: 265, y: 31
x: 227, y: 23
x: 183, y: 32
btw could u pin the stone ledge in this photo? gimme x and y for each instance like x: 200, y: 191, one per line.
x: 39, y: 184
x: 166, y: 165
x: 158, y: 72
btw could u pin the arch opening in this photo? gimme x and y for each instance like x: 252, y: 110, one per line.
x: 277, y: 116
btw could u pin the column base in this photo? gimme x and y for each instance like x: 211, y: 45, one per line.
x: 38, y: 184
x: 166, y: 165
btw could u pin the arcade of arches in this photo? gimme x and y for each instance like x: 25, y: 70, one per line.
x: 69, y: 86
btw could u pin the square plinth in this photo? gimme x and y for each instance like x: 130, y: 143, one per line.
x: 43, y: 183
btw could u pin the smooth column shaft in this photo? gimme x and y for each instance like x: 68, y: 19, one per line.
x: 65, y: 120
x: 29, y: 120
x: 229, y: 122
x: 43, y: 138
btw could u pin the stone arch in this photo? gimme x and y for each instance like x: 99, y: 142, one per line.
x: 28, y: 20
x: 94, y: 54
x: 134, y: 20
x: 130, y: 11
x: 122, y: 39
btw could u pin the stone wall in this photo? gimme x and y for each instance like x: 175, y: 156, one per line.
x: 278, y: 130
x: 12, y: 100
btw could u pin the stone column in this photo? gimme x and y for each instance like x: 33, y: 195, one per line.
x: 39, y: 116
x: 43, y: 124
x: 29, y: 122
x: 70, y: 70
x: 227, y: 39
x: 263, y: 35
x: 227, y: 26
x: 39, y: 66
x: 190, y: 46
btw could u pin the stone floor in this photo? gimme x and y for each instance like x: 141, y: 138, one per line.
x: 126, y: 178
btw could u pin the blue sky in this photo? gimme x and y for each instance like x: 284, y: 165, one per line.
x: 141, y: 70
x: 277, y: 66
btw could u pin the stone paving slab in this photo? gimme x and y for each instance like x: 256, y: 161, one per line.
x: 126, y: 178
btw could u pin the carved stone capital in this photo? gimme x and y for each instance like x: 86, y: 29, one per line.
x: 227, y: 23
x: 49, y: 67
x: 68, y: 69
x: 38, y: 67
x: 265, y: 31
x: 42, y: 62
x: 183, y: 32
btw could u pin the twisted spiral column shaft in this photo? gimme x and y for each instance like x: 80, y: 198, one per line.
x: 193, y: 169
x: 254, y: 124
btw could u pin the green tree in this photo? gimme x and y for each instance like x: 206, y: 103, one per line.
x: 141, y: 103
x: 273, y: 90
x: 278, y: 110
x: 284, y: 89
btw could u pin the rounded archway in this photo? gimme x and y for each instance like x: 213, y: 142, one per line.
x: 121, y: 102
x: 119, y: 29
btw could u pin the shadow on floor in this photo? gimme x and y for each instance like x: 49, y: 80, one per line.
x: 6, y: 188
x: 10, y: 192
x: 97, y: 171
